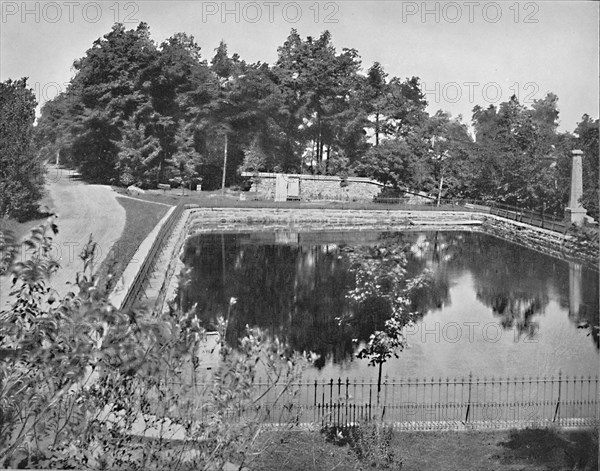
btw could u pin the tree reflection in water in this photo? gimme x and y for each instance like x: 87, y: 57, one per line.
x: 298, y: 290
x: 514, y: 281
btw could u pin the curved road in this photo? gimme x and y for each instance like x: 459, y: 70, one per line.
x: 82, y: 209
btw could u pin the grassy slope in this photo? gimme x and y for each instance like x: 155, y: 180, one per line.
x: 534, y: 450
x: 140, y: 218
x: 231, y: 199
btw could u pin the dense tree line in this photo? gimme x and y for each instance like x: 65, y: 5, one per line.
x: 146, y: 113
x: 21, y: 178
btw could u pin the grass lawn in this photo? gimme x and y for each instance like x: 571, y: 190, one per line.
x: 529, y: 449
x: 231, y: 199
x: 140, y: 218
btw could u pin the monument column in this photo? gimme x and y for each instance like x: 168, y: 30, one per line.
x: 575, y: 212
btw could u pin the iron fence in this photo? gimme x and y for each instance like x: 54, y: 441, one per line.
x: 540, y: 218
x: 410, y: 404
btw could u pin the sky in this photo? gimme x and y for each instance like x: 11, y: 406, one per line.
x: 465, y: 53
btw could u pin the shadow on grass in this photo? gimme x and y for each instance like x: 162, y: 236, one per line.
x: 552, y: 450
x: 42, y: 212
x: 19, y: 227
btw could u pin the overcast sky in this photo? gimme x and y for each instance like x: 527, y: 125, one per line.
x: 466, y: 53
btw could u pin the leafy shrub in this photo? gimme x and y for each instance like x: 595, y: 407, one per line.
x: 83, y: 385
x: 370, y: 442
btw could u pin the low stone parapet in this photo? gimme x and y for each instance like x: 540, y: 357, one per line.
x: 252, y: 219
x: 553, y: 243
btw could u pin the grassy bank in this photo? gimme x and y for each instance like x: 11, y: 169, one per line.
x: 140, y: 218
x: 528, y: 449
x: 231, y: 199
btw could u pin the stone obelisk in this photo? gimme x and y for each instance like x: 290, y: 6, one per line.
x: 575, y: 212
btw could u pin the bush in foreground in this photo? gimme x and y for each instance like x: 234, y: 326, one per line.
x: 83, y: 385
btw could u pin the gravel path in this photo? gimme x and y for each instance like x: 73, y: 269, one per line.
x: 82, y: 209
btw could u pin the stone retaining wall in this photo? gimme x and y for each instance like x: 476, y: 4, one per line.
x: 117, y: 297
x: 308, y: 220
x: 318, y: 187
x: 550, y: 242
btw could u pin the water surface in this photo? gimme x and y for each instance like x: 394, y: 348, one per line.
x: 492, y: 307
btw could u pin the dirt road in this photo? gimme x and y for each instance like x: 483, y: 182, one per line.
x: 82, y: 209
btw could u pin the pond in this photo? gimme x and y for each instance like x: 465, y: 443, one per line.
x: 490, y: 307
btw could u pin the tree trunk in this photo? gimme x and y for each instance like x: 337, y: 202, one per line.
x: 224, y: 166
x: 379, y: 382
x: 320, y: 142
x: 376, y: 129
x: 320, y: 146
x: 440, y: 190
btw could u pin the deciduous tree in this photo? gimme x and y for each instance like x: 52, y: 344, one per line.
x: 21, y: 174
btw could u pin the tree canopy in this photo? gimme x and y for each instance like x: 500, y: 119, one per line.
x: 147, y: 113
x: 21, y: 178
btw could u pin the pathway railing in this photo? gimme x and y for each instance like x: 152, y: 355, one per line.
x: 549, y: 221
x: 417, y: 404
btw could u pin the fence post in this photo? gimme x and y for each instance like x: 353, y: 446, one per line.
x: 347, y: 401
x: 315, y: 406
x: 469, y: 399
x: 370, y: 401
x: 557, y: 410
x: 338, y: 400
x: 385, y: 391
x: 543, y: 211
